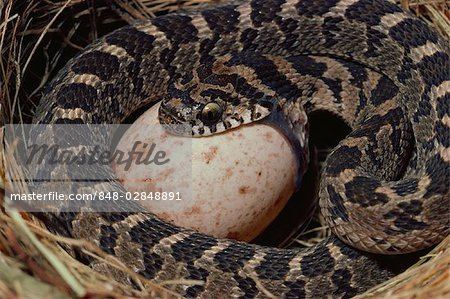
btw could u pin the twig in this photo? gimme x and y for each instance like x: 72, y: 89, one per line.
x: 76, y: 287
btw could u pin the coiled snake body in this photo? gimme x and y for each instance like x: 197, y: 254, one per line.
x: 384, y: 189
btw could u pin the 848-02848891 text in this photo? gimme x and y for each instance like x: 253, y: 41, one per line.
x: 103, y: 196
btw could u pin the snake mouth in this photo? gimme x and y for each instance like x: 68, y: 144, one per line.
x: 172, y: 124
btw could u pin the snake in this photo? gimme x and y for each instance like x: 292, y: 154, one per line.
x: 384, y: 189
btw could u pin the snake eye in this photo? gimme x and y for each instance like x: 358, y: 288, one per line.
x: 211, y: 113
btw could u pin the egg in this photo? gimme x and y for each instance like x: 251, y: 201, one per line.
x: 229, y: 185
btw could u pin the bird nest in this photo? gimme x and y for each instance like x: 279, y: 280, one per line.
x: 36, y: 40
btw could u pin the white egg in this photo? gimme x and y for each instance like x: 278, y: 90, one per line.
x: 228, y: 185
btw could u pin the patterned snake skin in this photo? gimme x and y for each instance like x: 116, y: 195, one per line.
x: 384, y: 188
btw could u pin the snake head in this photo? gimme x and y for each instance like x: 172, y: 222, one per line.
x: 202, y: 109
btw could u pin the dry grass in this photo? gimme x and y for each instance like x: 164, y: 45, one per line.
x: 429, y: 278
x: 36, y: 39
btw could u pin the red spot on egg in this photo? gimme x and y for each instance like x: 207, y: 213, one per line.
x: 210, y: 154
x: 244, y: 189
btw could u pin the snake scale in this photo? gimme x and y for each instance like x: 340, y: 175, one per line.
x: 384, y: 188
